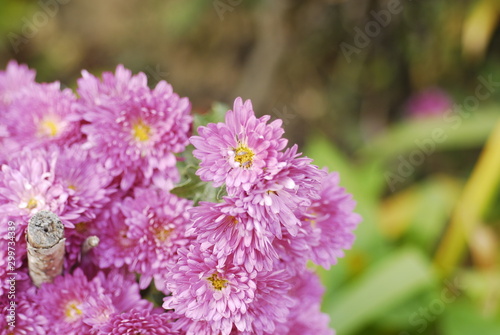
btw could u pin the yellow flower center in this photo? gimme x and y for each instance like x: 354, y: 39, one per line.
x: 162, y: 234
x: 32, y: 203
x: 72, y: 311
x: 81, y: 227
x: 141, y: 131
x: 72, y: 187
x: 244, y: 156
x: 217, y: 282
x: 49, y: 127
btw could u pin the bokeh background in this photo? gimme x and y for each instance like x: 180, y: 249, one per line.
x: 401, y: 97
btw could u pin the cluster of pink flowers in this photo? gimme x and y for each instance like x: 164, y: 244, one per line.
x: 106, y: 162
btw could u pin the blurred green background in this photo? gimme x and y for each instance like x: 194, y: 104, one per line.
x: 401, y: 97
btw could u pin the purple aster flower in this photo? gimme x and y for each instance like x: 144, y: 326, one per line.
x: 135, y: 131
x: 205, y: 289
x: 230, y: 232
x: 240, y: 150
x: 333, y: 221
x: 305, y: 317
x: 42, y: 115
x: 138, y: 322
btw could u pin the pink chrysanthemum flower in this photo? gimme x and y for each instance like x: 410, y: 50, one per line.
x: 85, y: 180
x: 75, y: 305
x: 42, y: 115
x: 138, y: 322
x: 123, y: 290
x: 333, y: 221
x: 156, y: 223
x: 64, y: 302
x: 240, y: 150
x: 25, y: 318
x: 205, y: 289
x: 26, y: 188
x: 115, y: 249
x: 143, y: 232
x: 89, y: 188
x: 294, y: 251
x: 268, y: 313
x: 135, y: 131
x: 280, y: 198
x: 12, y: 81
x: 230, y: 232
x: 305, y: 317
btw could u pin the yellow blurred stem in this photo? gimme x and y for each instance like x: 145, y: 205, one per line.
x: 470, y: 209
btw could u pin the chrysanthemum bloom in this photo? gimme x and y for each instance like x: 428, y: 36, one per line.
x: 138, y: 321
x: 157, y: 222
x: 63, y: 302
x: 143, y: 232
x: 204, y: 289
x: 280, y: 198
x: 115, y: 249
x: 294, y: 251
x: 268, y: 313
x: 231, y: 233
x: 12, y: 81
x: 333, y: 221
x: 122, y: 289
x: 27, y: 185
x: 88, y: 186
x: 238, y: 151
x: 42, y: 115
x: 75, y: 305
x: 305, y: 317
x: 27, y: 316
x: 85, y: 180
x: 135, y: 131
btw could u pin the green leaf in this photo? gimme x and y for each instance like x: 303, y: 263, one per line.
x: 456, y: 132
x: 216, y: 114
x: 463, y: 318
x: 382, y: 287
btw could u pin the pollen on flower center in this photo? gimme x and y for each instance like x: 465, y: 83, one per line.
x: 162, y: 234
x: 32, y: 203
x: 48, y: 127
x: 141, y: 131
x: 244, y: 156
x: 72, y: 311
x: 217, y: 282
